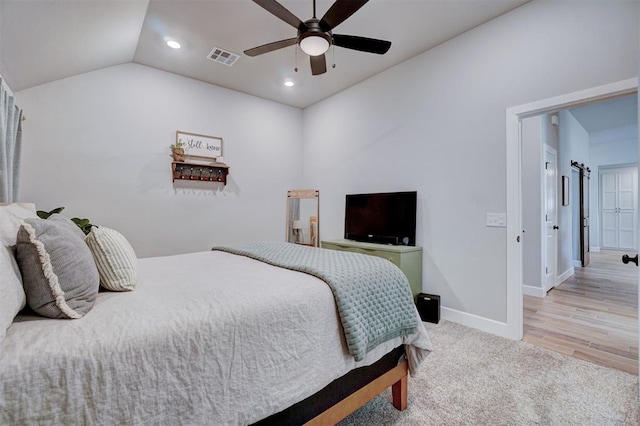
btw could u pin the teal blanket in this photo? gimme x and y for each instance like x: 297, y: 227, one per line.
x: 372, y: 295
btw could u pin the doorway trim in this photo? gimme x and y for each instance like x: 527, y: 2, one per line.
x: 514, y: 115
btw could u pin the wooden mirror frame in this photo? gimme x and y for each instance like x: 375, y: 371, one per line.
x: 311, y: 222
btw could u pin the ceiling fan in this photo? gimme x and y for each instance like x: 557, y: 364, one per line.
x: 315, y: 35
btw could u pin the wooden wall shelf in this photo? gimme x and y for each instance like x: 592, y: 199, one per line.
x: 214, y: 172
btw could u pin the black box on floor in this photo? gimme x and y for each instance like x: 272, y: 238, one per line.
x: 428, y: 307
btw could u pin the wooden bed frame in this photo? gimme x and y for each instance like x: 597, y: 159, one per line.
x: 346, y: 394
x: 396, y: 378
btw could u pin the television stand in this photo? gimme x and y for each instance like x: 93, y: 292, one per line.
x: 407, y: 258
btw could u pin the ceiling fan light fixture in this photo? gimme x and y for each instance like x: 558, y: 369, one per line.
x: 314, y: 45
x: 315, y: 36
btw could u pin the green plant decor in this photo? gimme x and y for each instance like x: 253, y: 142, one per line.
x: 45, y: 215
x: 83, y: 224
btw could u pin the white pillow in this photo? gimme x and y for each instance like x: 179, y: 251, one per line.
x: 116, y: 261
x: 10, y: 217
x: 12, y: 296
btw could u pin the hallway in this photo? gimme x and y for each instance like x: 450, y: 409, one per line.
x: 593, y: 315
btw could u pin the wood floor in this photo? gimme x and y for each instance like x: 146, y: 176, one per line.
x: 592, y: 316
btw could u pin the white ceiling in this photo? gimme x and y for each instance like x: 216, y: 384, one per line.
x: 46, y: 40
x: 607, y: 115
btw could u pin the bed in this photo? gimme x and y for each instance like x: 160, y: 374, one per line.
x: 206, y: 338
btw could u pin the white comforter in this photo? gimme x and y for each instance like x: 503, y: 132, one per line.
x: 206, y: 338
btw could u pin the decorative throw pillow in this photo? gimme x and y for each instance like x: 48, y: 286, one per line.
x: 58, y: 272
x: 12, y: 297
x: 116, y: 261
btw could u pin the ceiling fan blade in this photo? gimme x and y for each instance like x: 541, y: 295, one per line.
x: 363, y: 44
x: 270, y: 47
x: 275, y: 8
x: 338, y: 12
x: 318, y: 64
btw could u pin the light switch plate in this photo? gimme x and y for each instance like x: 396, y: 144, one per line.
x: 497, y: 219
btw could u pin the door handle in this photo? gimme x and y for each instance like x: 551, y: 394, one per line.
x: 626, y: 259
x: 556, y: 227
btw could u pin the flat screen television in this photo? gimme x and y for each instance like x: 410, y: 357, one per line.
x: 384, y: 218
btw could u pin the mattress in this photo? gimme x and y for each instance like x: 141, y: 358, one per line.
x: 206, y: 338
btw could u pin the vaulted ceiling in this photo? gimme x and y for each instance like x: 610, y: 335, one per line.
x: 46, y: 40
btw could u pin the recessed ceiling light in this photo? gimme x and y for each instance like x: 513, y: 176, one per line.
x: 289, y: 83
x: 173, y: 44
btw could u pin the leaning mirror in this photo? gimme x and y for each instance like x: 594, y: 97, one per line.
x: 303, y: 212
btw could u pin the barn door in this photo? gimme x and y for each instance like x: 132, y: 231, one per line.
x: 585, y: 256
x: 583, y: 200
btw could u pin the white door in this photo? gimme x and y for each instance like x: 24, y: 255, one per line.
x: 618, y: 188
x: 551, y: 217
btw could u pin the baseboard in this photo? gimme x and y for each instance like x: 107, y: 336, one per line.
x: 594, y: 249
x: 530, y: 290
x: 565, y: 275
x: 470, y: 320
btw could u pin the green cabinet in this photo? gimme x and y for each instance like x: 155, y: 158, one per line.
x: 407, y: 258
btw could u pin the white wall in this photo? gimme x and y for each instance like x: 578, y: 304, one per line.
x: 612, y: 147
x: 532, y: 157
x: 98, y: 143
x: 436, y: 124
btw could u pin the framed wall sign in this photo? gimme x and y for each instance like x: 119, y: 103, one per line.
x: 200, y: 145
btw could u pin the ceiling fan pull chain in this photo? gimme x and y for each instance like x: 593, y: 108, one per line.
x: 295, y: 69
x: 333, y: 55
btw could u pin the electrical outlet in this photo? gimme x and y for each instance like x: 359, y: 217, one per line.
x: 497, y: 219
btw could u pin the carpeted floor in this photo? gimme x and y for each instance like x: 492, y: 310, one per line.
x: 475, y: 378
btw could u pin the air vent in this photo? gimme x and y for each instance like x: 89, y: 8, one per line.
x: 223, y: 56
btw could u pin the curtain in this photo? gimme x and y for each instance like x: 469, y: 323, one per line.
x: 10, y: 145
